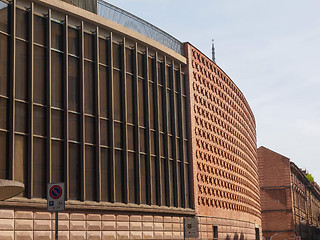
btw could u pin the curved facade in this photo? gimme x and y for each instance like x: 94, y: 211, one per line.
x: 141, y: 135
x: 224, y: 145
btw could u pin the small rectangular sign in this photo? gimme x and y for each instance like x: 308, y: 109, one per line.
x: 191, y: 228
x: 55, y: 197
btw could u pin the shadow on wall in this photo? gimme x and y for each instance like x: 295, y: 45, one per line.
x: 235, y: 237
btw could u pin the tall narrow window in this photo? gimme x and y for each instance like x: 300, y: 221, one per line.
x: 90, y: 174
x: 215, y: 232
x: 74, y: 172
x: 4, y: 18
x: 105, y: 175
x: 89, y: 87
x: 39, y: 176
x: 131, y: 172
x: 117, y: 95
x: 3, y: 64
x: 57, y: 161
x: 21, y: 70
x: 20, y: 160
x: 119, y: 176
x: 73, y: 84
x: 3, y: 155
x: 104, y: 95
x: 57, y: 79
x: 39, y: 75
x: 39, y: 30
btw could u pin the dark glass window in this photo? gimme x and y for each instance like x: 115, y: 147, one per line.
x: 131, y: 172
x: 142, y: 140
x: 90, y: 130
x: 21, y: 70
x: 184, y: 117
x: 177, y: 114
x: 105, y: 175
x: 88, y: 46
x: 104, y: 132
x: 151, y: 70
x: 20, y: 160
x: 186, y: 177
x: 73, y: 38
x: 143, y: 178
x: 160, y: 109
x: 118, y: 143
x: 56, y: 36
x: 177, y: 81
x: 119, y: 175
x: 117, y: 95
x: 90, y: 173
x: 103, y: 51
x: 56, y: 127
x: 21, y: 117
x: 152, y: 142
x: 73, y: 84
x: 151, y: 106
x: 22, y: 24
x: 153, y: 181
x: 141, y: 65
x: 3, y: 63
x: 57, y: 161
x: 172, y: 183
x: 3, y: 113
x: 116, y: 56
x: 57, y: 79
x: 162, y: 144
x: 129, y: 60
x: 185, y: 151
x: 163, y: 182
x: 179, y: 189
x: 74, y: 123
x: 39, y: 122
x: 4, y: 17
x: 170, y: 148
x: 3, y: 155
x: 89, y: 87
x: 39, y: 30
x: 169, y: 76
x: 39, y: 176
x: 104, y: 92
x: 39, y: 86
x: 130, y: 137
x: 74, y: 172
x: 141, y: 103
x: 183, y: 84
x: 160, y: 73
x: 130, y: 100
x: 169, y: 111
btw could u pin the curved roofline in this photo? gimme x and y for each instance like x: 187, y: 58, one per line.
x: 246, y: 102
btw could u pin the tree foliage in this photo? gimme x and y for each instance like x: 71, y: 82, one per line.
x: 309, y: 177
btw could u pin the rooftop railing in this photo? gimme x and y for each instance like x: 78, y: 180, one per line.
x: 137, y: 24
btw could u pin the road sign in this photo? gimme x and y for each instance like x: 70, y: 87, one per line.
x: 191, y: 228
x: 55, y: 197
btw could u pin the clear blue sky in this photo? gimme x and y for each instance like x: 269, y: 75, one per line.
x: 270, y: 49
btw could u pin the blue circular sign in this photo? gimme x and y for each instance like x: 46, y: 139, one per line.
x: 55, y: 191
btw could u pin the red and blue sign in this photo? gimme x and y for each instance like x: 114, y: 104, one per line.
x: 55, y: 192
x: 55, y: 197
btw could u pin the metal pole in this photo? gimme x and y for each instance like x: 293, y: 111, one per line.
x: 56, y: 228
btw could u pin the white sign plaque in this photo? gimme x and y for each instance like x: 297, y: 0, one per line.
x: 55, y: 197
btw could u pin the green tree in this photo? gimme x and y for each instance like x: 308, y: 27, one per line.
x: 309, y: 177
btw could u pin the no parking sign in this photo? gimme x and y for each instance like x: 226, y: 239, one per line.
x: 55, y: 197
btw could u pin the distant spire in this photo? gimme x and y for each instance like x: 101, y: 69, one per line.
x: 213, y: 52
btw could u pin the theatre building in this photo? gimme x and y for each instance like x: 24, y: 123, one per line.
x: 143, y: 130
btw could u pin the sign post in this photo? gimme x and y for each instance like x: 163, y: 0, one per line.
x: 55, y: 201
x: 190, y: 228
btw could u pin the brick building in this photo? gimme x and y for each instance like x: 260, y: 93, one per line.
x: 290, y: 204
x: 143, y: 130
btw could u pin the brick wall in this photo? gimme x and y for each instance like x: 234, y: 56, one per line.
x: 276, y: 195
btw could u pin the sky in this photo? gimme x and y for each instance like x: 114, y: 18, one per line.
x: 270, y: 49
